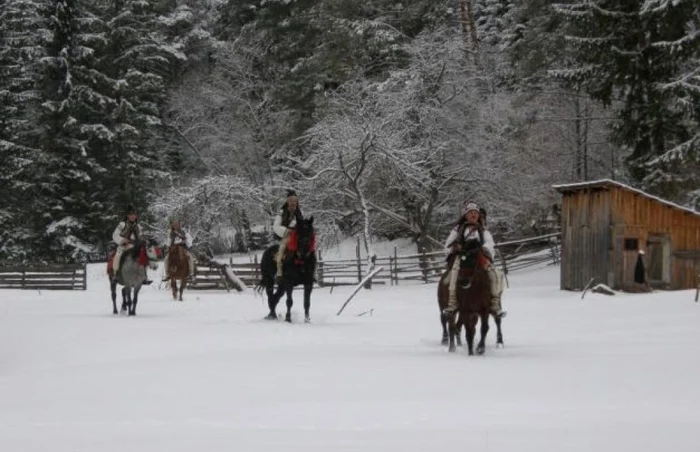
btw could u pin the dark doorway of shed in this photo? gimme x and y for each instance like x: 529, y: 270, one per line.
x: 659, y: 252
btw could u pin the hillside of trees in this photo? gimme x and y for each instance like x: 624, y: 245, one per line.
x: 383, y: 116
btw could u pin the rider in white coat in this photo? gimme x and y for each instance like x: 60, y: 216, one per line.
x: 125, y: 235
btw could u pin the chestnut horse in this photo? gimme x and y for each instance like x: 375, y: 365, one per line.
x: 178, y: 269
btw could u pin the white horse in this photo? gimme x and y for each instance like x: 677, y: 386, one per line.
x: 132, y: 274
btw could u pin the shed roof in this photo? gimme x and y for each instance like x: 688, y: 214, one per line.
x: 607, y: 183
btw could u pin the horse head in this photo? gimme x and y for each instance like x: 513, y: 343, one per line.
x: 306, y: 237
x: 153, y: 252
x: 469, y: 258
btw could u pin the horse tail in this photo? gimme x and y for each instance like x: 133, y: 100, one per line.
x: 268, y: 269
x: 265, y: 281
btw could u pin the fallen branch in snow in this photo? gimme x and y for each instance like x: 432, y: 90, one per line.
x: 602, y: 288
x: 585, y: 289
x: 237, y: 282
x: 359, y: 286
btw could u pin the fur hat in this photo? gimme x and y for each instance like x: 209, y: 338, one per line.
x: 292, y: 194
x: 469, y: 206
x: 130, y: 210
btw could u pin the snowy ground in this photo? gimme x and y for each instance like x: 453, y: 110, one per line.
x: 600, y: 374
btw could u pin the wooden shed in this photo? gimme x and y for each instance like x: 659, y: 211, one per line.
x: 605, y: 224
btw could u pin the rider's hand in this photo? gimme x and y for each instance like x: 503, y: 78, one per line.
x: 457, y: 247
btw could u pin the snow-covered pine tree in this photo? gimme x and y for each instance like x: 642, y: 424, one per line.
x: 69, y: 198
x: 492, y: 20
x: 143, y: 64
x: 616, y: 58
x: 677, y: 171
x: 20, y: 49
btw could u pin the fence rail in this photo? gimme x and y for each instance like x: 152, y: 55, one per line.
x: 44, y: 277
x: 426, y: 267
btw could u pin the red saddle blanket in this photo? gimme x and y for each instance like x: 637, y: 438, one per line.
x: 292, y: 242
x: 142, y: 260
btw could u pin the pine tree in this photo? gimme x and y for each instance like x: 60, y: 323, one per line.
x: 142, y: 63
x: 620, y: 59
x: 20, y: 49
x: 67, y: 193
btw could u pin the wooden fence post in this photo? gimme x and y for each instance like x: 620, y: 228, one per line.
x: 396, y: 266
x: 256, y: 276
x: 320, y: 269
x: 85, y: 276
x: 359, y: 261
x: 424, y: 267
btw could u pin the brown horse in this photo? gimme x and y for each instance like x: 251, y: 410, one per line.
x: 442, y: 296
x: 474, y: 301
x: 178, y: 269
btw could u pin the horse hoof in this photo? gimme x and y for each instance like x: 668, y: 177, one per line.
x: 288, y: 318
x: 271, y: 316
x: 452, y: 348
x: 307, y: 319
x: 444, y: 341
x: 480, y: 350
x: 499, y: 344
x: 132, y: 314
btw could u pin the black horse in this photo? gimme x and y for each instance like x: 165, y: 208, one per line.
x: 298, y: 267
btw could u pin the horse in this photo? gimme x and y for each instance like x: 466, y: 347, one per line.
x: 442, y: 304
x: 132, y: 274
x: 178, y: 269
x: 473, y: 297
x: 298, y: 267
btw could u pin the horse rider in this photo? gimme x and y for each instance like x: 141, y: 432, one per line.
x: 125, y: 235
x: 286, y: 220
x: 180, y: 237
x: 471, y: 227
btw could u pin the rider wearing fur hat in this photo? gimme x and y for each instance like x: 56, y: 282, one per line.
x: 471, y: 227
x: 286, y: 220
x: 125, y: 235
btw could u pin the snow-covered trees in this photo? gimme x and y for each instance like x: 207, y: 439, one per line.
x: 637, y: 57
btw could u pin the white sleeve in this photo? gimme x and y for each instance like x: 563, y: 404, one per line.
x: 277, y: 226
x: 188, y: 239
x: 451, y: 238
x: 117, y: 234
x: 489, y: 244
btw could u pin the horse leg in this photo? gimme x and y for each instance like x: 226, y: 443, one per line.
x: 113, y: 290
x: 471, y: 331
x: 452, y: 328
x: 481, y: 348
x: 458, y: 334
x: 443, y: 322
x: 182, y: 287
x: 173, y: 287
x: 135, y: 300
x: 290, y: 302
x: 308, y: 287
x: 126, y: 294
x: 499, y: 334
x: 272, y: 299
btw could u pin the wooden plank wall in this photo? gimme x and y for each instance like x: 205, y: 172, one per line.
x: 637, y: 216
x: 585, y: 238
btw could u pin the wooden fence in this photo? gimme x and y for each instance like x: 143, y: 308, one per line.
x: 44, y: 277
x: 421, y: 267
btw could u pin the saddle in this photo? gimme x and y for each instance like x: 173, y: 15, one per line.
x: 142, y: 258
